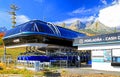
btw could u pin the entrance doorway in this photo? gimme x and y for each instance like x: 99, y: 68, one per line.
x: 85, y: 57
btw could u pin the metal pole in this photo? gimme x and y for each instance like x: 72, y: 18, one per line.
x: 4, y: 57
x: 46, y: 52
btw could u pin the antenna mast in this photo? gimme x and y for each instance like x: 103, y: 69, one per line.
x: 13, y: 8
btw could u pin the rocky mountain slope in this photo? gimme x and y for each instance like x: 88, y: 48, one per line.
x: 92, y: 28
x: 98, y: 28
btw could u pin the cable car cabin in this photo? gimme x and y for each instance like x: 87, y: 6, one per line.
x: 37, y: 32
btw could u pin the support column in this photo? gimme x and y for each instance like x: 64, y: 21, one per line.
x: 46, y: 52
x: 4, y: 56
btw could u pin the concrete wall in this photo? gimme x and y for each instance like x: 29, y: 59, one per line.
x: 104, y: 66
x: 101, y: 62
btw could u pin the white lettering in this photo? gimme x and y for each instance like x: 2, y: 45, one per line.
x: 110, y: 38
x: 93, y: 40
x: 16, y: 40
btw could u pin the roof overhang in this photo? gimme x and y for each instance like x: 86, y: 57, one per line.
x: 27, y: 45
x: 40, y: 45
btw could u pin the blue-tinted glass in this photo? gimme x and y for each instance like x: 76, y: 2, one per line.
x: 44, y: 27
x: 39, y: 26
x: 114, y: 59
x: 118, y: 59
x: 27, y: 27
x: 69, y: 33
x: 13, y: 31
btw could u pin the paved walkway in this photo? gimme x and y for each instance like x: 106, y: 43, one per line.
x: 11, y: 75
x: 88, y: 70
x: 78, y: 71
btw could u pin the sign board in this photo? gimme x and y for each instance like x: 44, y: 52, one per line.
x: 16, y: 40
x: 98, y: 39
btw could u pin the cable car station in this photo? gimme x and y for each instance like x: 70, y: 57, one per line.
x: 46, y: 45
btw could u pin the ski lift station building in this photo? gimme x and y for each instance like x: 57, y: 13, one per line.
x: 48, y: 43
x: 44, y: 42
x: 105, y: 50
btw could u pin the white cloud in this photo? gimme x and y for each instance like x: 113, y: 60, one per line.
x: 104, y: 2
x: 71, y: 20
x: 22, y: 19
x: 5, y: 19
x: 67, y: 21
x: 88, y: 18
x: 84, y: 11
x: 110, y: 16
x: 81, y: 10
x: 116, y: 2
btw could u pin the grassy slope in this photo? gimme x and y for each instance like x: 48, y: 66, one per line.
x: 13, y: 51
x: 1, y: 42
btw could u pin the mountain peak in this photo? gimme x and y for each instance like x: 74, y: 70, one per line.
x: 77, y: 25
x: 99, y: 28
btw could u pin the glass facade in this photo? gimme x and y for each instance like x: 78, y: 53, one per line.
x: 115, y: 57
x: 101, y: 55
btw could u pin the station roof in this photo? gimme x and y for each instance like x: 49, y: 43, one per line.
x: 40, y: 27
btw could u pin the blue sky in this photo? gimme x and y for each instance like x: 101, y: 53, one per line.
x: 55, y: 11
